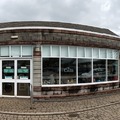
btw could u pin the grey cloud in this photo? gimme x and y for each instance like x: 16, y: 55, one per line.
x: 103, y: 13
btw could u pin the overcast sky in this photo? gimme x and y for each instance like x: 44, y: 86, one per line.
x: 99, y: 13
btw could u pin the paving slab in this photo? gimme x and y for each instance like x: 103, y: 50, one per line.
x: 94, y: 107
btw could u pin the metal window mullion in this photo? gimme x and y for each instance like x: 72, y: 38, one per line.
x: 92, y: 69
x: 59, y: 51
x: 15, y: 77
x: 60, y: 64
x: 106, y: 70
x: 68, y: 50
x: 113, y: 54
x: 60, y: 70
x: 1, y: 78
x: 118, y: 70
x: 10, y: 51
x: 77, y: 52
x: 92, y: 65
x: 76, y: 70
x: 99, y: 53
x: 50, y: 50
x: 76, y: 65
x: 41, y: 71
x: 107, y: 53
x: 0, y: 51
x: 84, y: 52
x: 31, y: 72
x: 21, y: 48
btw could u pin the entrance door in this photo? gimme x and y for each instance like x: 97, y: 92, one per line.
x: 16, y: 77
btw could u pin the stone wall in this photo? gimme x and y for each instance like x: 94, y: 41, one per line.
x: 60, y: 37
x: 49, y: 92
x: 37, y: 71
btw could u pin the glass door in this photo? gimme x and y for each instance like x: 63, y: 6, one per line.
x: 8, y: 77
x: 16, y: 77
x: 23, y: 77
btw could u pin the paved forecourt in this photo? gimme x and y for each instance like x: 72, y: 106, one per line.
x: 93, y: 107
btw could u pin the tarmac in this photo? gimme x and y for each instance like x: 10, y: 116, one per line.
x: 87, y: 107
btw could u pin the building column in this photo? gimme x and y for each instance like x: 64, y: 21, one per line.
x: 37, y: 72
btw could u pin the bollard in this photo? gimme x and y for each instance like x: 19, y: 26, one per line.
x: 31, y: 97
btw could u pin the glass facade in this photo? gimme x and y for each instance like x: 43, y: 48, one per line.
x: 23, y: 69
x: 68, y: 70
x: 16, y: 51
x: 8, y: 88
x: 50, y: 71
x: 99, y: 70
x: 23, y: 89
x: 84, y: 71
x: 8, y: 69
x: 78, y: 65
x: 15, y: 70
x: 112, y: 70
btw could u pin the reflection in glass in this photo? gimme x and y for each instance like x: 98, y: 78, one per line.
x: 50, y: 71
x: 23, y: 69
x: 112, y: 70
x: 68, y: 70
x: 8, y: 88
x: 8, y: 69
x: 84, y: 71
x: 99, y: 70
x: 23, y: 89
x: 89, y: 70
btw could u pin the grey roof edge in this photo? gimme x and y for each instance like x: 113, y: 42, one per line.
x: 57, y: 24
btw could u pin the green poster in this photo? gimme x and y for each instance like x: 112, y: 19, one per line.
x: 23, y: 70
x: 8, y: 70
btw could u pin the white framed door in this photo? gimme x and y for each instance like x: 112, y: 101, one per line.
x: 16, y: 77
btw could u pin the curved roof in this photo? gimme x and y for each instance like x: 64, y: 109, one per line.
x: 56, y: 24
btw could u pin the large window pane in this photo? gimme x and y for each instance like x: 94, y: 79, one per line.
x: 46, y: 51
x: 102, y: 53
x: 8, y: 88
x: 88, y: 52
x: 72, y: 51
x: 84, y: 71
x: 26, y: 51
x: 99, y: 70
x: 55, y: 51
x: 23, y: 69
x: 64, y: 51
x: 68, y: 71
x: 109, y: 53
x: 50, y: 71
x: 81, y: 52
x: 23, y: 89
x: 115, y: 54
x: 95, y: 52
x: 5, y: 51
x: 15, y: 51
x: 112, y: 70
x: 8, y: 69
